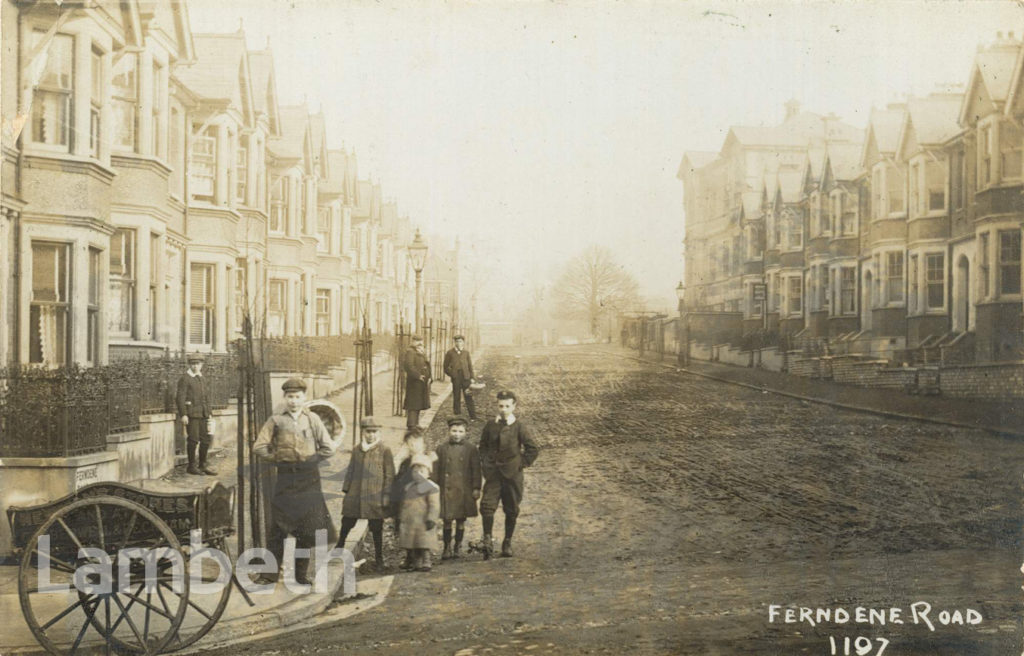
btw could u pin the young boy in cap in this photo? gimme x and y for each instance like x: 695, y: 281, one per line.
x: 367, y: 487
x: 457, y: 472
x: 459, y: 367
x: 420, y: 509
x: 417, y: 381
x: 193, y: 401
x: 507, y: 446
x: 296, y: 441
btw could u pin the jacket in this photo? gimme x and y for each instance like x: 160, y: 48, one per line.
x: 417, y: 392
x: 193, y: 397
x: 303, y: 439
x: 367, y: 485
x: 506, y: 450
x: 458, y: 366
x: 420, y: 504
x: 457, y: 472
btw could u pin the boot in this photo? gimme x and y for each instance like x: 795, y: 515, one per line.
x: 192, y: 448
x: 506, y: 548
x: 409, y: 562
x: 459, y: 534
x: 301, y: 575
x: 488, y: 547
x: 457, y: 550
x: 447, y: 539
x: 424, y: 562
x: 203, y: 467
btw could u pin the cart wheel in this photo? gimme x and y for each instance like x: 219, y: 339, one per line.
x: 204, y: 609
x: 131, y: 615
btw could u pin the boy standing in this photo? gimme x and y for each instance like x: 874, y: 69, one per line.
x: 507, y: 446
x: 420, y: 509
x: 193, y: 401
x: 367, y: 487
x: 296, y: 441
x: 459, y: 367
x: 457, y: 472
x: 417, y: 381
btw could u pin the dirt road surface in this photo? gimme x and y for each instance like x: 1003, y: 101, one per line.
x: 666, y: 513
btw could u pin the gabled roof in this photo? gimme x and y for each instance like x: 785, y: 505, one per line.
x: 990, y: 81
x: 844, y: 160
x: 264, y: 96
x: 171, y: 18
x: 294, y: 139
x: 221, y: 72
x: 883, y: 132
x: 932, y: 120
x: 337, y: 163
x: 693, y: 160
x: 790, y: 185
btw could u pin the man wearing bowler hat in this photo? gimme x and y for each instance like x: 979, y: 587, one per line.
x: 296, y: 441
x: 193, y: 401
x: 459, y: 367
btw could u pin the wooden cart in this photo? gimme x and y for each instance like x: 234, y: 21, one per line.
x: 134, y: 540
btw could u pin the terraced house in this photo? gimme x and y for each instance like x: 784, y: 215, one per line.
x: 156, y: 192
x: 901, y: 241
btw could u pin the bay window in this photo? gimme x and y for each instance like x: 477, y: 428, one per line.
x: 52, y: 96
x: 894, y: 277
x: 203, y: 166
x: 124, y: 89
x: 201, y: 305
x: 935, y: 281
x: 122, y: 281
x: 1009, y: 261
x: 50, y: 306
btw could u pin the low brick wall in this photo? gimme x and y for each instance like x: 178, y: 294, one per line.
x: 1002, y: 381
x: 807, y: 367
x: 857, y: 372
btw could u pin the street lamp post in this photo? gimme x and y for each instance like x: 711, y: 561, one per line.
x: 418, y: 258
x: 683, y: 355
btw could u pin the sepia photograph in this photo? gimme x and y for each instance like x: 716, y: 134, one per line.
x: 483, y: 327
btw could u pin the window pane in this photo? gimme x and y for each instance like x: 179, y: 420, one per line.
x: 935, y: 277
x: 1009, y: 262
x: 48, y: 311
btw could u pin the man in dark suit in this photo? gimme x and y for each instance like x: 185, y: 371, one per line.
x: 417, y: 381
x: 507, y: 446
x: 193, y: 400
x: 459, y: 367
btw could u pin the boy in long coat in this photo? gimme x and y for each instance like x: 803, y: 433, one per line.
x: 194, y: 411
x: 367, y: 487
x: 457, y: 472
x: 417, y: 381
x: 296, y: 441
x: 459, y: 367
x: 421, y: 507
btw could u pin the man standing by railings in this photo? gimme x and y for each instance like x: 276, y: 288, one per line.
x: 459, y: 367
x: 193, y: 401
x: 417, y: 381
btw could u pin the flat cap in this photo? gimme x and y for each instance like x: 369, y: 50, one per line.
x: 417, y: 338
x: 456, y: 421
x: 458, y: 337
x: 195, y: 357
x: 293, y: 384
x: 368, y: 422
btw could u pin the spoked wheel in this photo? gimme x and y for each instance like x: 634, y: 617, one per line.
x: 204, y: 608
x: 95, y: 577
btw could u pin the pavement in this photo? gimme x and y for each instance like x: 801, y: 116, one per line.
x: 270, y: 614
x: 1003, y: 417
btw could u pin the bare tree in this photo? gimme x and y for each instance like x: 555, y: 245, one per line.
x: 593, y: 285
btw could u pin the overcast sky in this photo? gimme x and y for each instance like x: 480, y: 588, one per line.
x: 534, y: 128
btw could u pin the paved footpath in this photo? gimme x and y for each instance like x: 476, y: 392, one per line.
x: 667, y: 512
x: 283, y: 608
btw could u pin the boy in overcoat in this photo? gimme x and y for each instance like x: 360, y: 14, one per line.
x: 507, y: 446
x: 459, y: 367
x: 420, y: 510
x: 367, y: 487
x: 193, y: 404
x: 296, y: 441
x: 457, y: 472
x: 417, y: 381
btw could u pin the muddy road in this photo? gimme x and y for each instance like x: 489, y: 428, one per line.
x: 667, y: 513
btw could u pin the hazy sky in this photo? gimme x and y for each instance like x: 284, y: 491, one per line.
x: 534, y: 128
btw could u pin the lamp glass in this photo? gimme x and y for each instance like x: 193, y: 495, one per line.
x: 418, y: 252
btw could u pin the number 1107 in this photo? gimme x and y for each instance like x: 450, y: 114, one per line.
x: 860, y: 646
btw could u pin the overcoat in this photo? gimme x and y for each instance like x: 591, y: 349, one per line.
x: 505, y: 450
x: 420, y: 503
x: 367, y: 485
x: 193, y: 397
x: 459, y: 367
x: 417, y: 392
x: 457, y: 473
